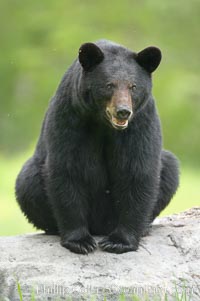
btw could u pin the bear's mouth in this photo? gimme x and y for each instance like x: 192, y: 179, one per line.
x: 117, y: 123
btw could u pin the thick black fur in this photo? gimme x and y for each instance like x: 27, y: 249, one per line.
x: 86, y: 177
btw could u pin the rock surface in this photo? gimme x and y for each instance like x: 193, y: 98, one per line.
x: 167, y: 260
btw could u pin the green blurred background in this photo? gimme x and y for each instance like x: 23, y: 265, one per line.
x: 40, y: 39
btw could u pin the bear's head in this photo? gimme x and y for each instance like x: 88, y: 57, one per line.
x: 116, y: 82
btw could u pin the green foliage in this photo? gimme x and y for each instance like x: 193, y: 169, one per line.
x: 40, y: 39
x: 19, y: 291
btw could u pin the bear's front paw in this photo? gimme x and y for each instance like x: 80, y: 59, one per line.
x: 81, y: 245
x: 118, y: 242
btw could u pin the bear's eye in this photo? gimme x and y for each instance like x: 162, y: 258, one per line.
x: 110, y: 86
x: 132, y: 87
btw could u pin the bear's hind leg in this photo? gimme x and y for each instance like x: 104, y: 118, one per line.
x: 32, y: 198
x: 169, y: 181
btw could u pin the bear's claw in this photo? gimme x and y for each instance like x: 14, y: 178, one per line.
x: 108, y: 245
x: 83, y: 245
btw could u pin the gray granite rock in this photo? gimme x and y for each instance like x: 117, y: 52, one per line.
x: 167, y: 260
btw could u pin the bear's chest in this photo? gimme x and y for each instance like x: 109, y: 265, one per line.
x: 95, y: 165
x: 102, y: 158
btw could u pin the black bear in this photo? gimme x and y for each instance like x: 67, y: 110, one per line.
x: 99, y: 167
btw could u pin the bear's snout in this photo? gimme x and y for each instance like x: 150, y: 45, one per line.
x: 123, y: 113
x: 120, y: 110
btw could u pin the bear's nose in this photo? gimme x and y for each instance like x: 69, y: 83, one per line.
x: 123, y: 113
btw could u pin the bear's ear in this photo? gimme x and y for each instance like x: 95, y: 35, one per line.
x: 90, y: 55
x: 149, y: 58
